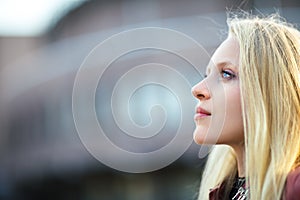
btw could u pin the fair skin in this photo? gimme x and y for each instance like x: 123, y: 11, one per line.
x: 218, y: 115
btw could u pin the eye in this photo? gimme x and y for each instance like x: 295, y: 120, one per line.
x: 226, y: 74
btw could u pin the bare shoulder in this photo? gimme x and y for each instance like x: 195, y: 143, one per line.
x: 292, y: 188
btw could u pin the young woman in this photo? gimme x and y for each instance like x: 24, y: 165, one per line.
x: 249, y: 106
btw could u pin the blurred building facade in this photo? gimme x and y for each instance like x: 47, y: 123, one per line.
x: 41, y: 155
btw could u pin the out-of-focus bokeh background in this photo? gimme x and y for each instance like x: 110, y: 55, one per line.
x: 42, y: 45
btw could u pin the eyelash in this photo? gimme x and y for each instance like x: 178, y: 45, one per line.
x: 229, y: 74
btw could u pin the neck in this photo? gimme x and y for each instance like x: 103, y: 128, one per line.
x: 240, y: 157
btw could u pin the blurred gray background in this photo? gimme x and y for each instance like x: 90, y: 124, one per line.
x: 41, y: 156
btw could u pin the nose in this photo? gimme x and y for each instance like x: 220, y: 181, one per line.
x: 200, y: 91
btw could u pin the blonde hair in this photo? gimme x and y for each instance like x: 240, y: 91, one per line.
x: 269, y: 75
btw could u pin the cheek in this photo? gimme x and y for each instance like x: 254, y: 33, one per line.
x: 233, y: 131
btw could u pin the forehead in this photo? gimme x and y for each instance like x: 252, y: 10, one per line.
x: 226, y: 53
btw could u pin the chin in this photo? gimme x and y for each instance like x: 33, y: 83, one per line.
x: 201, y: 136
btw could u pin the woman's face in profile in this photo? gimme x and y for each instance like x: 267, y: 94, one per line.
x: 218, y: 115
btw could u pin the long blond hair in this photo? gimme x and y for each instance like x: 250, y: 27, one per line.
x: 269, y: 75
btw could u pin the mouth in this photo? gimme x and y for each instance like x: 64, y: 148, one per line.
x: 201, y: 113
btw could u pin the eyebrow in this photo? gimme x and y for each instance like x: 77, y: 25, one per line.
x: 222, y: 64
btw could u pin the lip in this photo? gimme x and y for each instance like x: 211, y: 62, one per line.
x: 201, y: 113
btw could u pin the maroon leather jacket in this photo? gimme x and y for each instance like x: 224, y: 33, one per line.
x: 292, y: 188
x: 291, y: 192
